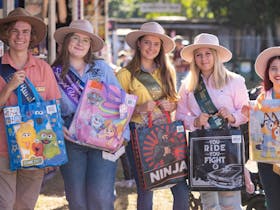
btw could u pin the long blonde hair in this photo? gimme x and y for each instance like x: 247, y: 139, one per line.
x: 221, y: 75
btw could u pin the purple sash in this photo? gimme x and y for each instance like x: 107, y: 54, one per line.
x: 71, y: 84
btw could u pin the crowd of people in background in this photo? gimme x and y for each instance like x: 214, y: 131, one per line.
x: 174, y: 72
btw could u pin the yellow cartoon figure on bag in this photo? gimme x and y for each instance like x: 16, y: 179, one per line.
x: 25, y: 136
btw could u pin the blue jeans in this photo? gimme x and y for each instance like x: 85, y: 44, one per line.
x: 221, y: 200
x: 88, y: 179
x: 271, y: 185
x: 180, y: 191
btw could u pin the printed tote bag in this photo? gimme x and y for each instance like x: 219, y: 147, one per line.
x: 103, y: 114
x: 216, y: 159
x: 34, y: 133
x: 160, y: 153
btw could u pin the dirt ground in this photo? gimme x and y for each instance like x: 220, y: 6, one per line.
x: 52, y: 196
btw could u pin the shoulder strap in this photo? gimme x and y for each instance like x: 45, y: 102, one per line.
x: 7, y: 71
x: 207, y: 106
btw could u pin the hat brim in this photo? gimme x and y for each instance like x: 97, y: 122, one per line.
x: 167, y: 43
x: 59, y: 35
x: 38, y: 26
x: 263, y: 57
x: 187, y: 52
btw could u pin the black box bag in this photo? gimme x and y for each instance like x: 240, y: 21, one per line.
x: 216, y: 159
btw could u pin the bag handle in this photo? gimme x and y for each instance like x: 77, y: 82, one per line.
x: 225, y: 126
x: 37, y: 96
x: 150, y: 119
x: 109, y: 90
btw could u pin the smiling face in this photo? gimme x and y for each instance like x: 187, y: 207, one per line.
x: 19, y: 36
x: 79, y: 45
x: 274, y: 72
x: 110, y: 131
x: 204, y: 59
x: 149, y: 47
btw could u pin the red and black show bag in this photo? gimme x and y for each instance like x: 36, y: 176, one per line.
x: 160, y: 153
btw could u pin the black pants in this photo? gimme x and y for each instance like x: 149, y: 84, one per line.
x: 271, y: 185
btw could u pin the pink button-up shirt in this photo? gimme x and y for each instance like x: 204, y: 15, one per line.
x: 232, y: 96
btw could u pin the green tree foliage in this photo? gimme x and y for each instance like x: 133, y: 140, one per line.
x: 124, y: 9
x: 192, y: 9
x: 250, y: 14
x: 247, y: 15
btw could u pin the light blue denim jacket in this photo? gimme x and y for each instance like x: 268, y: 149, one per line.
x: 101, y: 71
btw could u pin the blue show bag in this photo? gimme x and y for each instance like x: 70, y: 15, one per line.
x: 34, y: 132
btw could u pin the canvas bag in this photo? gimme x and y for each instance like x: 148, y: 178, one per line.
x: 103, y: 114
x: 264, y: 131
x: 34, y: 132
x: 216, y: 159
x: 160, y: 153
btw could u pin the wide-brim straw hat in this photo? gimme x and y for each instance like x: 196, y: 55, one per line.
x: 39, y: 28
x: 83, y: 27
x: 153, y: 29
x: 262, y: 59
x: 205, y: 40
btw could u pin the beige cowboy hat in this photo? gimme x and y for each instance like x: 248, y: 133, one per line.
x: 263, y: 57
x: 83, y: 27
x: 208, y: 41
x: 154, y: 29
x: 19, y: 14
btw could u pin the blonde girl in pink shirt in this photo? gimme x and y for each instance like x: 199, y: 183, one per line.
x: 228, y: 93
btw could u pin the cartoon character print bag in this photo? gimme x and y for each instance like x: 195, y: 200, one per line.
x: 264, y: 131
x: 160, y: 153
x: 103, y: 114
x: 34, y: 133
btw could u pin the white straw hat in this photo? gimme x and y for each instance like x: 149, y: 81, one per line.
x: 154, y: 29
x: 83, y: 27
x: 208, y: 41
x: 263, y: 57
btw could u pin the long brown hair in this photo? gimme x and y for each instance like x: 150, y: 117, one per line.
x: 63, y: 56
x: 167, y: 71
